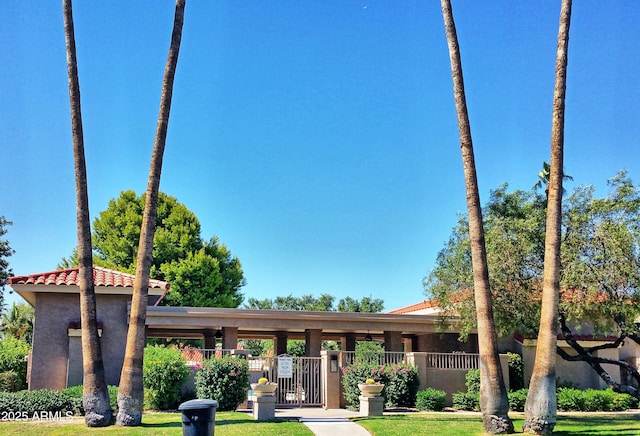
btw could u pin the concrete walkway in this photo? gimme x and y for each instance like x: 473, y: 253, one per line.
x: 325, y: 422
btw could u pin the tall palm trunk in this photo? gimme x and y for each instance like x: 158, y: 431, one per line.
x: 95, y: 396
x: 493, y: 394
x: 540, y: 407
x: 130, y: 392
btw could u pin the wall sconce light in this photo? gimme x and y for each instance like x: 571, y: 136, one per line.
x: 333, y: 363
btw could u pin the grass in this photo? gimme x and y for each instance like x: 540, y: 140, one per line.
x: 165, y: 424
x: 242, y: 424
x: 471, y: 425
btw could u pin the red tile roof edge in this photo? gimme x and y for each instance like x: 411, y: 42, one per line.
x: 426, y: 304
x: 69, y: 277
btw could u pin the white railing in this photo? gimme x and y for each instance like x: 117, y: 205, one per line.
x: 464, y: 361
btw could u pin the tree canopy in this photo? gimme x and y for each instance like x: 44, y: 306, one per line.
x: 202, y: 273
x: 5, y: 252
x: 324, y: 303
x: 600, y: 257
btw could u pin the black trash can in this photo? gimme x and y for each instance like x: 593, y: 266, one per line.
x: 198, y: 417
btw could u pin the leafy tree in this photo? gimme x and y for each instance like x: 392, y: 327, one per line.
x: 324, y: 303
x: 5, y: 252
x: 366, y: 304
x: 18, y: 322
x: 599, y: 281
x: 201, y: 273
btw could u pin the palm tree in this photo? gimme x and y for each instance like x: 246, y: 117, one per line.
x: 130, y: 391
x: 493, y: 393
x: 18, y: 322
x: 540, y: 407
x: 95, y: 397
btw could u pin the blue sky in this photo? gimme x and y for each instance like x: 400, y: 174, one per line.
x: 317, y: 140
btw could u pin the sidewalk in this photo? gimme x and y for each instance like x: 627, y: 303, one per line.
x: 325, y: 422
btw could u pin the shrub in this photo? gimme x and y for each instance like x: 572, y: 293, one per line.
x: 466, y: 401
x: 13, y: 353
x: 163, y: 374
x: 369, y: 353
x: 516, y: 371
x: 517, y: 399
x: 431, y: 399
x: 36, y: 402
x: 402, y: 387
x: 570, y: 399
x: 75, y: 393
x: 472, y: 381
x: 225, y: 380
x: 621, y: 402
x: 10, y: 381
x: 353, y: 375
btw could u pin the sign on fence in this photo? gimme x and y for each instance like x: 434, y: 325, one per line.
x: 285, y: 366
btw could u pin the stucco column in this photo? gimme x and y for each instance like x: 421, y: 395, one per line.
x: 229, y: 338
x: 209, y: 339
x: 392, y: 341
x: 408, y: 345
x: 349, y: 342
x: 312, y: 342
x: 280, y: 343
x: 331, y: 379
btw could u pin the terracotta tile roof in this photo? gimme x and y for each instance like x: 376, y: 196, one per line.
x: 426, y: 304
x: 69, y: 277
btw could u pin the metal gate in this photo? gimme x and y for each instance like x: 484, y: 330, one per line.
x: 303, y: 387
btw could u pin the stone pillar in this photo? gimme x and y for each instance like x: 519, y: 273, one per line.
x: 264, y: 408
x: 331, y: 378
x: 229, y: 338
x: 392, y: 341
x: 349, y: 342
x: 280, y: 343
x: 209, y: 339
x: 313, y: 342
x: 371, y: 406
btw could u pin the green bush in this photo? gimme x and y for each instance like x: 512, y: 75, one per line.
x: 594, y: 400
x: 10, y: 381
x: 75, y: 393
x: 472, y: 381
x: 353, y: 375
x: 516, y: 371
x: 517, y: 399
x: 163, y: 374
x: 37, y: 402
x: 431, y: 399
x: 621, y: 402
x: 13, y: 353
x: 466, y: 401
x: 225, y: 380
x: 403, y: 385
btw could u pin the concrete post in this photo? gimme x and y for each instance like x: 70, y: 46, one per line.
x: 264, y: 408
x: 371, y: 406
x: 280, y: 343
x: 312, y: 342
x: 209, y: 339
x: 349, y: 342
x: 393, y: 341
x: 331, y: 379
x: 229, y: 338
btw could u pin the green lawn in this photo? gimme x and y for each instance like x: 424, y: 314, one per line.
x: 471, y: 425
x: 227, y: 424
x: 242, y: 424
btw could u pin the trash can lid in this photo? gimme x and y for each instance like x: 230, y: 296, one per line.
x: 198, y: 404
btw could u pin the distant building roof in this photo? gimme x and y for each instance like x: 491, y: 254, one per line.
x: 426, y: 307
x: 56, y: 281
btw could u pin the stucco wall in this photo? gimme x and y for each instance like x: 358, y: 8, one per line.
x: 50, y: 354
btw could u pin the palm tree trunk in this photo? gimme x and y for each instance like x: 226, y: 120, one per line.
x: 493, y: 394
x: 541, y: 404
x: 130, y: 392
x: 95, y: 396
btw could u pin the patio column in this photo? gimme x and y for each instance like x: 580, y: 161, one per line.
x: 280, y: 343
x: 349, y: 342
x: 229, y: 338
x: 392, y: 341
x: 209, y: 339
x: 408, y: 344
x: 312, y: 342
